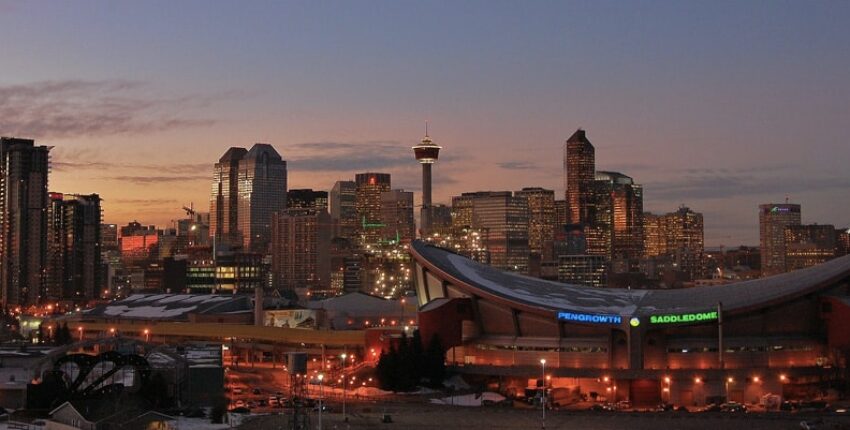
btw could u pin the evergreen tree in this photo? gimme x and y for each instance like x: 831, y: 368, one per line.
x: 387, y: 369
x: 406, y: 371
x: 435, y: 362
x: 66, y: 335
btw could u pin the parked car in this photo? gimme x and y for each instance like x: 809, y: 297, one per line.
x: 714, y: 407
x: 237, y: 391
x: 256, y: 391
x: 733, y: 407
x: 664, y: 407
x: 599, y: 407
x: 239, y: 404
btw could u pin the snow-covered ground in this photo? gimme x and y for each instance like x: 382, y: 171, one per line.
x: 470, y: 399
x: 184, y: 423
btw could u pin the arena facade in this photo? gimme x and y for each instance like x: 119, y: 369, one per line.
x: 788, y: 334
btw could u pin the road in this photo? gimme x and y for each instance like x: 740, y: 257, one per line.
x: 426, y: 416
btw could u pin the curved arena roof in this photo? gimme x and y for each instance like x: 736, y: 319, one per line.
x: 548, y: 297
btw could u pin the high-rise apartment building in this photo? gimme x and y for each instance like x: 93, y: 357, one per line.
x: 301, y: 241
x: 809, y: 245
x: 462, y: 211
x: 224, y: 200
x: 307, y: 199
x: 74, y: 247
x: 23, y: 220
x: 579, y: 172
x: 541, y: 221
x: 109, y: 237
x: 773, y: 218
x: 370, y: 185
x: 343, y: 209
x: 397, y: 215
x: 615, y: 217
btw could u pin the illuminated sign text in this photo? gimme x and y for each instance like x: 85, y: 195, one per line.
x: 683, y: 318
x: 590, y: 318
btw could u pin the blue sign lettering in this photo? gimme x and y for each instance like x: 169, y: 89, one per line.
x: 590, y: 318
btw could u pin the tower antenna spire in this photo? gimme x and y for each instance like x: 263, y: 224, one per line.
x: 426, y: 128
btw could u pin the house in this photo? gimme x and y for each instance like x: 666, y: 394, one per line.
x: 105, y: 415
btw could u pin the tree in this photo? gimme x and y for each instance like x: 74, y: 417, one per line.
x: 434, y: 362
x: 386, y: 369
x: 407, y: 372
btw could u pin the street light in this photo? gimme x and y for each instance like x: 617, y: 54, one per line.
x: 543, y: 381
x: 729, y: 380
x: 80, y: 329
x: 321, y: 394
x: 344, y: 386
x: 148, y: 337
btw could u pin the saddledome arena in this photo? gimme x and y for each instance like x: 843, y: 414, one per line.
x: 785, y: 335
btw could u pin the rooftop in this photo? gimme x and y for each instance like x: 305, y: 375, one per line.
x: 171, y: 306
x: 551, y: 296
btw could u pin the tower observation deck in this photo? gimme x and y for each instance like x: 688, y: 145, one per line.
x: 426, y: 153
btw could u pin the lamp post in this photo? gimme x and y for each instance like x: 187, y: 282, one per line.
x: 344, y: 387
x: 321, y: 393
x: 543, y: 379
x: 148, y: 337
x: 729, y: 380
x: 80, y: 329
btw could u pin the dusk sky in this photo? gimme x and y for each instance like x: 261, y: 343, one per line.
x: 718, y: 105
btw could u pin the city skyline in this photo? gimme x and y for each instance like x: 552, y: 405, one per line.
x: 720, y: 124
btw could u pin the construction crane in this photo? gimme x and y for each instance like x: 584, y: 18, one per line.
x: 190, y: 210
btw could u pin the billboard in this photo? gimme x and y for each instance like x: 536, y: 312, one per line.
x: 291, y: 318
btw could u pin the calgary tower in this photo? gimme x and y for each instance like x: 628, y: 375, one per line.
x: 426, y: 154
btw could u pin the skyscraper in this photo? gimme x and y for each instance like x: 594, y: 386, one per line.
x: 426, y: 154
x: 541, y: 221
x: 262, y: 192
x: 679, y: 235
x: 301, y: 240
x: 504, y: 217
x: 224, y: 200
x: 462, y: 211
x: 307, y: 199
x: 23, y: 220
x: 561, y: 214
x: 74, y: 247
x: 773, y: 218
x: 368, y: 204
x: 397, y: 215
x: 615, y: 222
x: 579, y: 170
x: 809, y: 245
x: 343, y: 209
x: 441, y: 219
